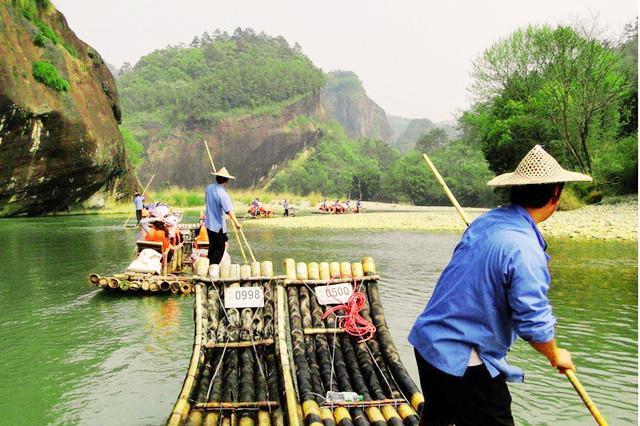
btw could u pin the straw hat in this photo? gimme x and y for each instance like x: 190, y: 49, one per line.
x: 538, y: 167
x: 223, y: 172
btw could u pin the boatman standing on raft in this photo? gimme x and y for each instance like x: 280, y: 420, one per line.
x: 493, y: 290
x: 218, y: 205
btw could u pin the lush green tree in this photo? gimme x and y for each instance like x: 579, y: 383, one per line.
x: 215, y: 77
x: 133, y: 148
x: 436, y: 138
x: 461, y: 165
x: 546, y: 85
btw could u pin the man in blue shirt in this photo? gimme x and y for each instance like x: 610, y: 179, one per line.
x: 218, y: 206
x: 493, y: 290
x: 138, y: 201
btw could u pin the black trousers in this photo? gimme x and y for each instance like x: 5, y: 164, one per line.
x: 217, y: 242
x: 476, y: 399
x: 138, y: 215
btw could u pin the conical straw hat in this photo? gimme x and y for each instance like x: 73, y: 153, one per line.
x: 223, y: 172
x: 538, y: 167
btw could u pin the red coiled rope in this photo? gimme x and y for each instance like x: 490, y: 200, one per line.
x: 351, y: 320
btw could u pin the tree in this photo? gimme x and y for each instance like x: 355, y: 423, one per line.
x: 436, y: 138
x: 559, y: 76
x: 195, y: 42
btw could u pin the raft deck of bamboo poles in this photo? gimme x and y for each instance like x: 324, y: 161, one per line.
x: 148, y: 284
x: 276, y: 364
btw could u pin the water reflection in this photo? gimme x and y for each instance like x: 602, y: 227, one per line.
x: 77, y: 355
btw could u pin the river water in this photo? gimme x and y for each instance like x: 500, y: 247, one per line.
x: 73, y: 354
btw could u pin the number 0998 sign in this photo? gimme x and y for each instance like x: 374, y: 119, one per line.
x: 243, y: 297
x: 334, y: 294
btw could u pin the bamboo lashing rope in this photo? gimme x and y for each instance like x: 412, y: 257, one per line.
x: 145, y: 190
x: 588, y: 402
x: 447, y: 190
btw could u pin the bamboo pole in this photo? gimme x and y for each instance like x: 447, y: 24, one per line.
x: 221, y: 405
x: 289, y: 391
x: 447, y: 190
x: 182, y: 407
x: 206, y: 145
x: 599, y: 418
x: 143, y: 192
x: 241, y: 344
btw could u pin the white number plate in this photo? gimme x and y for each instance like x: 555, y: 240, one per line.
x: 243, y: 297
x: 334, y: 294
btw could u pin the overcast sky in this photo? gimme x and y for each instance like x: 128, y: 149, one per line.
x: 414, y: 57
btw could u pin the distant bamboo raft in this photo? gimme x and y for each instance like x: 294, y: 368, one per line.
x: 135, y: 282
x: 274, y: 365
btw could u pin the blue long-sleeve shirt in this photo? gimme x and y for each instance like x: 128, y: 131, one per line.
x: 493, y: 290
x: 217, y: 204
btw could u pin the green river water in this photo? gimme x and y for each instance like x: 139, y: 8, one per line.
x: 73, y: 354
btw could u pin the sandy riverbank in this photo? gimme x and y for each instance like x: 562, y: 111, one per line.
x: 607, y: 222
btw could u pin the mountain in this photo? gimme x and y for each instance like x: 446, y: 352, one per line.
x: 255, y: 99
x: 346, y: 100
x: 59, y: 114
x: 398, y: 126
x: 416, y: 128
x: 252, y: 97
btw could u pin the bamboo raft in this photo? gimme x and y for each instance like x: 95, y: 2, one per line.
x: 275, y: 364
x: 176, y: 279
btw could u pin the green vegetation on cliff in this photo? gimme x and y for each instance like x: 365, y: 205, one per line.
x: 214, y: 77
x: 337, y: 166
x: 48, y: 75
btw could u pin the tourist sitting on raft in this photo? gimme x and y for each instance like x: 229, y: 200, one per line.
x: 337, y: 207
x: 259, y: 209
x: 156, y: 229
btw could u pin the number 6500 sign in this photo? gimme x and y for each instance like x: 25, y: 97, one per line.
x: 243, y: 297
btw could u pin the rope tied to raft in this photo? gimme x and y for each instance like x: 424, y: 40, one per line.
x: 351, y: 321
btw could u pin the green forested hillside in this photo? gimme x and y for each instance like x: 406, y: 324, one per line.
x: 216, y: 74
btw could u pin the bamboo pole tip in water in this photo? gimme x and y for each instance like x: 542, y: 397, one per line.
x: 368, y: 266
x: 174, y: 286
x: 313, y: 270
x: 234, y: 271
x: 255, y: 269
x: 290, y: 268
x: 103, y: 282
x: 94, y: 278
x: 266, y: 268
x: 324, y: 271
x: 185, y: 287
x: 334, y: 269
x: 345, y: 269
x: 356, y: 270
x: 245, y: 272
x: 164, y: 285
x: 153, y: 286
x: 225, y: 271
x: 301, y: 271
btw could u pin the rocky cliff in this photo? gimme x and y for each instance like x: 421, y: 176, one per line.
x: 346, y: 100
x: 59, y: 114
x: 252, y: 147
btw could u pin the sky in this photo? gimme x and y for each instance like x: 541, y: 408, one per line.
x: 413, y: 57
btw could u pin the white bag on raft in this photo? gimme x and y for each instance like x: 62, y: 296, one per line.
x: 149, y: 261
